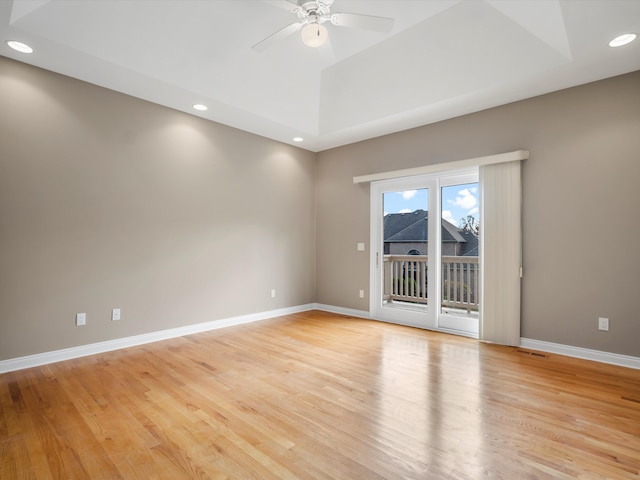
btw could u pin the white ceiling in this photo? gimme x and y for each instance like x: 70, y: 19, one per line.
x: 443, y: 58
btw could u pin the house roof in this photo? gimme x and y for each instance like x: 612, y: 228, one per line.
x: 470, y: 247
x: 406, y: 227
x: 413, y: 227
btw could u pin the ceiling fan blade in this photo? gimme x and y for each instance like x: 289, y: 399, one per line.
x: 274, y: 37
x: 366, y: 22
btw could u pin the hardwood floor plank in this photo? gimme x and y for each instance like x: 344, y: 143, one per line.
x: 321, y: 396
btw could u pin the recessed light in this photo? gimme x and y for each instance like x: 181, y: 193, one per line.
x: 298, y: 139
x: 622, y: 40
x: 199, y: 106
x: 19, y: 46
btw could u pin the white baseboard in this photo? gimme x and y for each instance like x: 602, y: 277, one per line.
x: 568, y: 350
x: 29, y: 361
x: 343, y: 311
x: 585, y: 353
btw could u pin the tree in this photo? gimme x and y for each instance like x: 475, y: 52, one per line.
x: 470, y: 224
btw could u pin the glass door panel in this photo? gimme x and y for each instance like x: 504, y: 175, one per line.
x: 459, y: 267
x: 401, y: 292
x: 405, y: 247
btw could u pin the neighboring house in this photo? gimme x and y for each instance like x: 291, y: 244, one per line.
x: 408, y: 234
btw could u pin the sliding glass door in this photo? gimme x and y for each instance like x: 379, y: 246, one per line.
x: 424, y: 262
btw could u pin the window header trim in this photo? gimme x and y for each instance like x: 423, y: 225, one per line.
x: 441, y: 167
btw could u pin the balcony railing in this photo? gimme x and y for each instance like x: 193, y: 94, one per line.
x: 406, y: 277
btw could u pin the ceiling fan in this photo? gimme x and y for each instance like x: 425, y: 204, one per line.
x: 312, y: 14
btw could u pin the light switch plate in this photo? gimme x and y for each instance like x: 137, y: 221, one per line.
x: 81, y: 319
x: 360, y: 247
x: 115, y: 314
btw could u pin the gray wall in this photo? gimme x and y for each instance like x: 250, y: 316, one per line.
x: 580, y: 194
x: 108, y: 201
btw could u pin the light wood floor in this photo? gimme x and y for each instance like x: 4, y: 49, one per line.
x: 320, y: 396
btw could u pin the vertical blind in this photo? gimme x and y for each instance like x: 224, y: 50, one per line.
x: 500, y: 252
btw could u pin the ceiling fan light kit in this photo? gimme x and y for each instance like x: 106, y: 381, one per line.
x: 314, y: 35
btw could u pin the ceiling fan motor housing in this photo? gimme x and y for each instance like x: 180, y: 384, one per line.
x: 315, y: 11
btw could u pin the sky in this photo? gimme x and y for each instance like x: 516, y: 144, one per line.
x: 458, y: 201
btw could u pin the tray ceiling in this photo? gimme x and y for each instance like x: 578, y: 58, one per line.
x: 441, y: 59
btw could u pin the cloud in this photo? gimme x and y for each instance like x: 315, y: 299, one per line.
x: 409, y: 194
x: 473, y: 211
x: 465, y: 199
x: 447, y: 215
x: 405, y: 210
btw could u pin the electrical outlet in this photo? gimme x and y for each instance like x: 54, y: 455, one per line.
x: 273, y: 293
x: 361, y: 293
x: 81, y: 319
x: 115, y: 314
x: 603, y: 324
